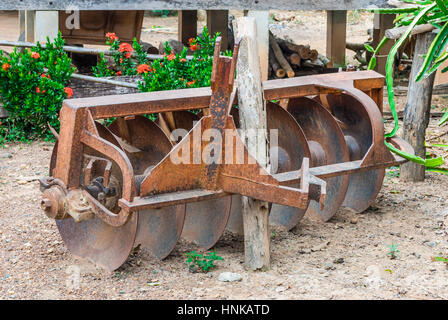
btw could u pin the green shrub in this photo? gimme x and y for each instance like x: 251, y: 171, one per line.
x: 173, y: 71
x: 202, y: 261
x: 32, y: 88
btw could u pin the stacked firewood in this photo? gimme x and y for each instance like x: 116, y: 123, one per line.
x: 288, y: 59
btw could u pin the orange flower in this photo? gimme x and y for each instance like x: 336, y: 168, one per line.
x: 35, y: 55
x: 69, y: 92
x: 183, y: 60
x: 37, y: 90
x: 190, y: 83
x: 128, y: 55
x: 119, y: 73
x: 111, y: 36
x: 172, y: 56
x: 125, y: 47
x: 121, y: 60
x: 6, y: 66
x: 193, y: 47
x: 143, y: 68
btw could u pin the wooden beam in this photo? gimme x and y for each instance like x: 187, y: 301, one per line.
x: 417, y: 110
x: 192, y: 4
x: 382, y: 22
x: 218, y: 21
x: 188, y: 25
x: 252, y: 112
x: 29, y: 25
x: 336, y: 36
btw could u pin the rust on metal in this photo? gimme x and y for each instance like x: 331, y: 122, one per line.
x: 122, y: 186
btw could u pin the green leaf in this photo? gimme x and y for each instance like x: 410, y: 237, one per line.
x: 390, y: 67
x: 429, y: 163
x: 436, y: 46
x: 444, y: 117
x: 369, y: 47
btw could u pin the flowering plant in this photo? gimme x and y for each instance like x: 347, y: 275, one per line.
x: 172, y: 71
x: 122, y: 57
x: 33, y: 84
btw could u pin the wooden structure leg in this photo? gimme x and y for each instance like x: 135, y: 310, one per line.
x: 417, y: 111
x: 188, y: 25
x: 218, y: 21
x: 382, y: 22
x: 252, y: 110
x: 29, y: 25
x: 336, y: 36
x: 262, y: 18
x: 46, y: 25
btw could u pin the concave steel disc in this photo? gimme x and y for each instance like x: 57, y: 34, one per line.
x: 205, y: 221
x: 327, y: 146
x: 292, y: 148
x: 286, y: 154
x: 94, y: 239
x: 158, y: 229
x: 364, y: 186
x: 182, y: 119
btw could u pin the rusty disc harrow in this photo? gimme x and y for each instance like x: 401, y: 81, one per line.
x: 131, y: 184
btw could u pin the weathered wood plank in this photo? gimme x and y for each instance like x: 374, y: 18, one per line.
x: 187, y: 25
x: 417, y: 110
x: 336, y: 34
x: 191, y: 4
x: 252, y: 112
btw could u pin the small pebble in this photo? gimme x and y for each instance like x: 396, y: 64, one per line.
x: 230, y: 277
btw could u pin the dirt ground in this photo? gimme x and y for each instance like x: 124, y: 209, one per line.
x: 345, y: 258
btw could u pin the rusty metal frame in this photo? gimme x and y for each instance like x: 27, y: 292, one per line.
x: 168, y: 184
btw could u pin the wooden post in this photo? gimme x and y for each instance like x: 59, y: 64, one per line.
x: 252, y: 111
x: 417, y: 110
x: 46, y: 25
x: 188, y: 25
x: 336, y: 36
x: 262, y: 18
x: 218, y: 21
x: 382, y: 22
x: 29, y: 25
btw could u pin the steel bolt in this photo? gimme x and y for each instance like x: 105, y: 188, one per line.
x: 45, y: 204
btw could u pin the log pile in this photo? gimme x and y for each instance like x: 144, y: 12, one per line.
x: 288, y: 59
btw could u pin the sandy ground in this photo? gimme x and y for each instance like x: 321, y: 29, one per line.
x: 345, y: 258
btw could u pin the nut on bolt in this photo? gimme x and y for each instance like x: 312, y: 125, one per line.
x: 53, y: 203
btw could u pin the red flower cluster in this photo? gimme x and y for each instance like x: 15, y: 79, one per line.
x: 35, y: 55
x: 143, y: 68
x: 127, y: 49
x: 6, y: 66
x: 172, y: 56
x: 69, y: 92
x: 111, y: 36
x: 190, y: 83
x: 39, y: 91
x: 119, y: 73
x: 43, y: 75
x: 193, y: 45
